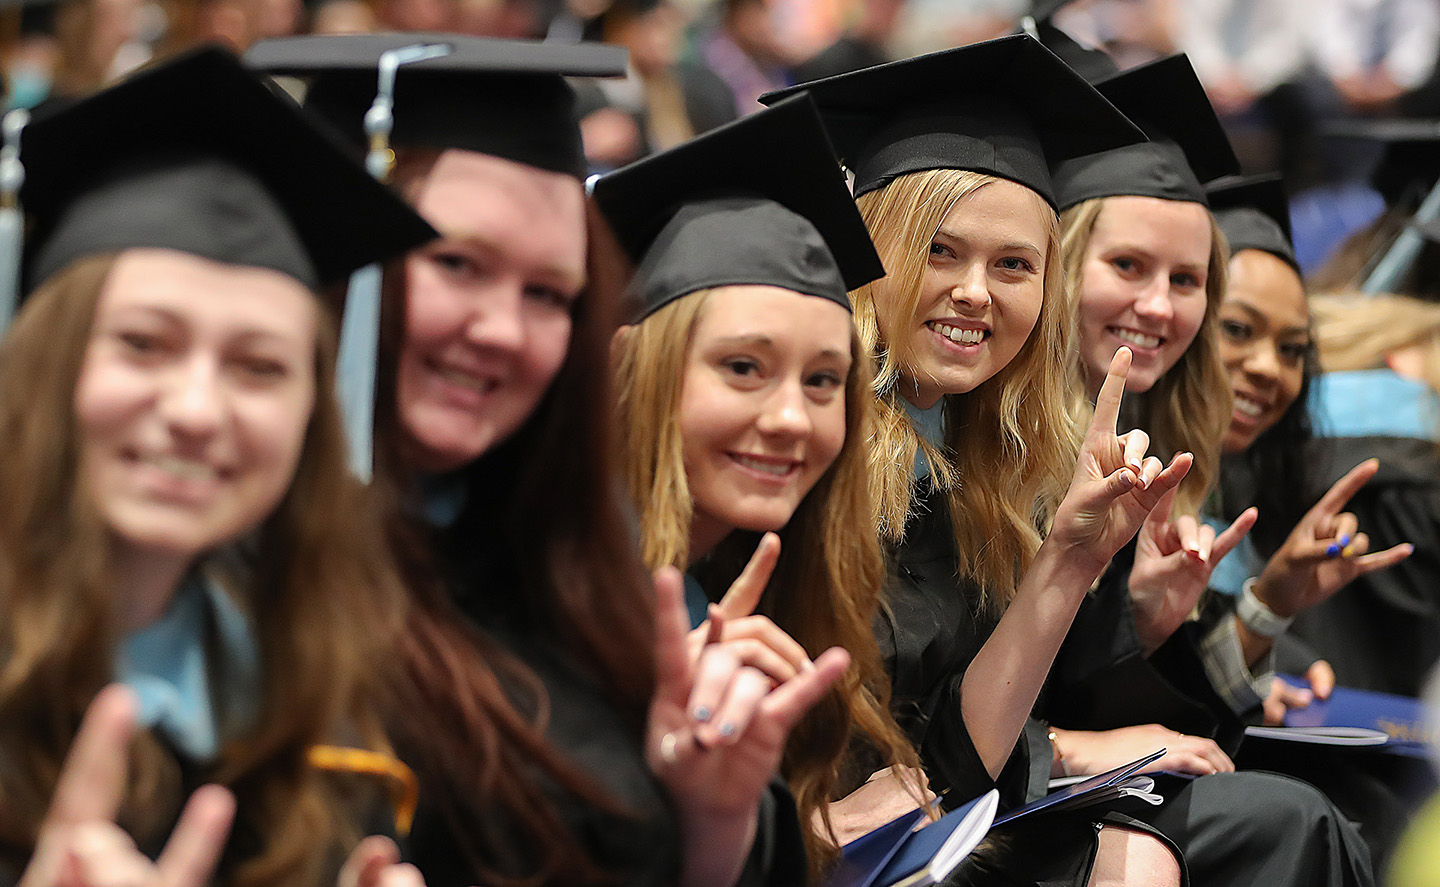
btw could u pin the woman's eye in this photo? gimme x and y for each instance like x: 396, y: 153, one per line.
x: 826, y: 381
x: 1186, y: 281
x: 1124, y: 264
x: 264, y: 367
x: 1234, y: 330
x: 1295, y: 352
x: 141, y: 344
x: 455, y: 263
x: 1015, y: 263
x: 550, y: 296
x: 741, y: 366
x: 941, y: 251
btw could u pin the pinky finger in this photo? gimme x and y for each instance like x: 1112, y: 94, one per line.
x: 1387, y: 558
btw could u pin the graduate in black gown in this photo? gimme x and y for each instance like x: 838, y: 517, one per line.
x: 553, y: 747
x: 1148, y: 269
x: 179, y: 519
x: 745, y: 398
x: 974, y: 439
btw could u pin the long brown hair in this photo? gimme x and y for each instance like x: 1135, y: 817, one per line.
x: 324, y: 600
x: 1188, y: 409
x: 827, y: 586
x: 573, y: 568
x: 1011, y: 444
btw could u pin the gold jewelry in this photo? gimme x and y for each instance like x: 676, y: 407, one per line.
x: 1059, y: 754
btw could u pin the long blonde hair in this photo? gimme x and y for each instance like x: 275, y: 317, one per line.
x: 1188, y: 409
x: 827, y: 587
x: 1011, y: 444
x: 1359, y: 332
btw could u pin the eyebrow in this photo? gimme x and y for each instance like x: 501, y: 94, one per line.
x: 1009, y: 246
x: 1242, y: 304
x: 571, y: 278
x: 761, y: 340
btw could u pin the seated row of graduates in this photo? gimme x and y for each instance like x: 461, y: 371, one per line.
x: 954, y: 508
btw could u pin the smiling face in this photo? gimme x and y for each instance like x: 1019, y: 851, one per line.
x: 1143, y: 286
x: 1264, y: 337
x: 488, y: 305
x: 193, y: 399
x: 762, y: 407
x: 980, y: 293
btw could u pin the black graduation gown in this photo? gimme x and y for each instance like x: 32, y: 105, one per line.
x: 1382, y: 631
x: 643, y: 848
x: 929, y: 632
x: 1244, y: 829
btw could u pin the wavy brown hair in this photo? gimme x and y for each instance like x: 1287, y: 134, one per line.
x: 324, y: 600
x: 468, y: 713
x: 827, y: 586
x: 1011, y: 444
x: 1188, y: 409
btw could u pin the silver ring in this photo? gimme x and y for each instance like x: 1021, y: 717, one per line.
x: 667, y: 748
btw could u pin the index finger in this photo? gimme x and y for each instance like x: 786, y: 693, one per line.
x: 92, y: 780
x: 1107, y: 404
x: 1346, y: 487
x: 194, y: 848
x: 672, y: 624
x: 744, y: 595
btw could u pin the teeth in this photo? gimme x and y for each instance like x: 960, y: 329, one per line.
x: 956, y: 334
x: 465, y: 380
x: 1248, y: 406
x: 778, y: 469
x: 185, y: 469
x: 1139, y: 339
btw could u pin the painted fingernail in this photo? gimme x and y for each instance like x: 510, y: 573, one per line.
x: 1333, y: 550
x: 1347, y: 551
x: 1345, y: 541
x: 727, y: 729
x: 703, y: 713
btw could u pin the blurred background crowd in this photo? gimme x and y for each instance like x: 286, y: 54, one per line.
x: 1308, y: 87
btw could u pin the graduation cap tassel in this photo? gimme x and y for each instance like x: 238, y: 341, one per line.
x: 12, y: 220
x: 1402, y: 253
x: 360, y: 325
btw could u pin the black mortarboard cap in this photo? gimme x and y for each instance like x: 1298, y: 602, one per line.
x: 1006, y: 107
x: 1254, y: 213
x: 1187, y: 144
x: 507, y: 98
x: 758, y: 201
x: 1089, y: 62
x: 198, y: 155
x: 1410, y: 159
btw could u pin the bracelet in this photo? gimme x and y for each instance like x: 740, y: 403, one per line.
x: 1257, y: 617
x: 1059, y: 755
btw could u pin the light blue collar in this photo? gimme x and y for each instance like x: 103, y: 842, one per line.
x: 167, y: 665
x: 1373, y: 403
x: 929, y: 424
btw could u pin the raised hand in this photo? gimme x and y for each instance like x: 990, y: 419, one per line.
x: 1174, y: 558
x: 80, y: 845
x: 755, y: 640
x: 1325, y: 552
x: 715, y: 734
x: 1115, y: 485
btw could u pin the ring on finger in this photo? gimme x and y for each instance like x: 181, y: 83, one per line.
x: 667, y: 748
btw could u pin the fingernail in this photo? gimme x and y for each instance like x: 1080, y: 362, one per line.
x: 1333, y: 550
x: 727, y: 729
x: 1345, y: 540
x: 703, y: 713
x: 1347, y: 551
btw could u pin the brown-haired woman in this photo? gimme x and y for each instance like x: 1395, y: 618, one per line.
x: 551, y: 745
x: 178, y: 515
